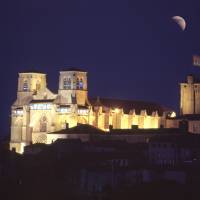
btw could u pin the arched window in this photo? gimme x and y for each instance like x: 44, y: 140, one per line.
x: 77, y: 83
x: 64, y: 83
x: 43, y: 124
x: 68, y: 83
x: 81, y: 84
x: 25, y: 86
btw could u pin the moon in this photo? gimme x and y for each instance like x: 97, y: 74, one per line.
x: 180, y: 21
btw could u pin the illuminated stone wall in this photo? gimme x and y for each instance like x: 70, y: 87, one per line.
x: 193, y: 125
x: 37, y: 111
x: 119, y: 120
x: 190, y: 96
x: 172, y: 123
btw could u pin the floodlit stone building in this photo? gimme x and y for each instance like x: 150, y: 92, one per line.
x: 38, y: 111
x: 190, y: 96
x: 189, y: 117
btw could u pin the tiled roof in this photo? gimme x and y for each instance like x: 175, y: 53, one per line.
x: 80, y: 129
x: 159, y: 131
x: 128, y: 105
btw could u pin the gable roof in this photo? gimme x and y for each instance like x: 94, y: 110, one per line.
x: 129, y: 105
x: 80, y: 129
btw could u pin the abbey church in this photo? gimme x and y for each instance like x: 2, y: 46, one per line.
x: 37, y: 111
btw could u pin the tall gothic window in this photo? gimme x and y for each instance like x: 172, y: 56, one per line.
x: 65, y: 83
x: 81, y: 84
x: 25, y: 86
x: 68, y: 83
x: 43, y: 124
x: 77, y: 83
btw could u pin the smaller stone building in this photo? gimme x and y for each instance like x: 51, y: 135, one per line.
x: 189, y: 117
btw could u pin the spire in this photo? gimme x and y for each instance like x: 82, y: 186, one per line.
x: 98, y: 102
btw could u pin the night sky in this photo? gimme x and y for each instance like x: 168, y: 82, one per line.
x: 131, y: 49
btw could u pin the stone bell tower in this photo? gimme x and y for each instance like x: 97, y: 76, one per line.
x: 190, y: 96
x: 28, y: 85
x: 73, y: 86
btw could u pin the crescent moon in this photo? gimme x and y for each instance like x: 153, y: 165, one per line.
x: 180, y: 21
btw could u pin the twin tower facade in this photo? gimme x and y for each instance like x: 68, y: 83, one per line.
x: 37, y: 111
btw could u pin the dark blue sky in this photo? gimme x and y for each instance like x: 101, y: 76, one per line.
x: 131, y: 49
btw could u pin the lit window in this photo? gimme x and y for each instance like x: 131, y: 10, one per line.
x: 67, y: 83
x: 48, y: 106
x: 25, y: 86
x: 81, y: 84
x: 77, y: 83
x: 64, y: 110
x: 18, y: 112
x: 82, y: 111
x: 41, y: 106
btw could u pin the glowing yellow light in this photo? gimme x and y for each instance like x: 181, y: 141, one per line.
x: 22, y: 147
x: 172, y: 114
x: 116, y: 110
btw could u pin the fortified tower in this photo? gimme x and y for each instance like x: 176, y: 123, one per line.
x: 190, y: 96
x: 73, y: 87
